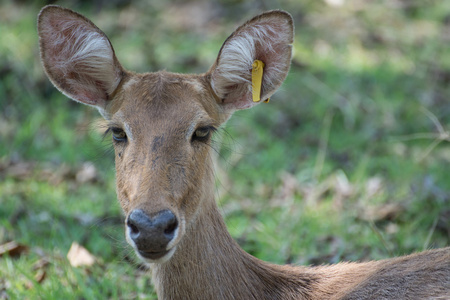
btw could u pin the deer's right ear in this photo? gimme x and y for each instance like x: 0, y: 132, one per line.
x: 77, y: 56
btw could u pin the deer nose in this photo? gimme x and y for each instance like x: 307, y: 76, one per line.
x: 152, y: 234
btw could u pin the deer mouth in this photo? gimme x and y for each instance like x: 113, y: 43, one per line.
x: 152, y: 255
x: 155, y: 257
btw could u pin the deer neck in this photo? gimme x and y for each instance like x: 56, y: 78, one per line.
x: 209, y: 264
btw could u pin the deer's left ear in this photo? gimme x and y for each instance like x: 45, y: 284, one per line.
x: 267, y: 38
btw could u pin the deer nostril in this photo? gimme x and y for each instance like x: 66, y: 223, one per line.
x: 171, y: 226
x: 133, y: 228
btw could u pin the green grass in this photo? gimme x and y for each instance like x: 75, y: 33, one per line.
x: 344, y: 163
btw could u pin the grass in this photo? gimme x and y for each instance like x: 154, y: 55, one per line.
x: 347, y: 162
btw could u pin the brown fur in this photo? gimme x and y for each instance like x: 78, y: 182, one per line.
x: 159, y: 167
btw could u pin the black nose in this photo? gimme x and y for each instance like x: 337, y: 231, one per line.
x: 151, y: 234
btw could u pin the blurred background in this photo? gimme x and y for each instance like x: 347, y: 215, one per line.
x: 349, y: 160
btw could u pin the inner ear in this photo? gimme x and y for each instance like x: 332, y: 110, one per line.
x: 268, y: 38
x: 77, y: 56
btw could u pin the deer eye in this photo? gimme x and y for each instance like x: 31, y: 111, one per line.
x: 118, y: 135
x: 202, y: 134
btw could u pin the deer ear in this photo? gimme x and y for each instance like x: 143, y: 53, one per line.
x: 268, y: 38
x: 77, y: 56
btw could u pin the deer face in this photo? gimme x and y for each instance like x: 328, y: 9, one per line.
x: 161, y: 129
x: 161, y: 123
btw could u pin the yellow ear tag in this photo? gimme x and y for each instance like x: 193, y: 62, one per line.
x: 257, y: 75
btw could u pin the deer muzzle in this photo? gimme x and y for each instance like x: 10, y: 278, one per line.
x: 151, y: 235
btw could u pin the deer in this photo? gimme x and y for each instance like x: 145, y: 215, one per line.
x: 161, y: 125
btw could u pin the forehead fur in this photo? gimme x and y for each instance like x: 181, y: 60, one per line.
x: 164, y: 95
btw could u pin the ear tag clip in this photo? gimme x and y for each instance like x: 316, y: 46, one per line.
x: 257, y: 75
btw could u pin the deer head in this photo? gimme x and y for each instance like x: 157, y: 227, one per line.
x: 161, y: 122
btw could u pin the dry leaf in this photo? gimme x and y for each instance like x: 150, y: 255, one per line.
x: 41, y: 264
x: 87, y: 173
x: 373, y: 186
x: 17, y: 169
x: 388, y: 211
x: 12, y: 249
x: 40, y: 276
x: 78, y: 256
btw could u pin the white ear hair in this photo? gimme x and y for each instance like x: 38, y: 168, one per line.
x: 77, y: 56
x: 267, y: 37
x: 88, y: 52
